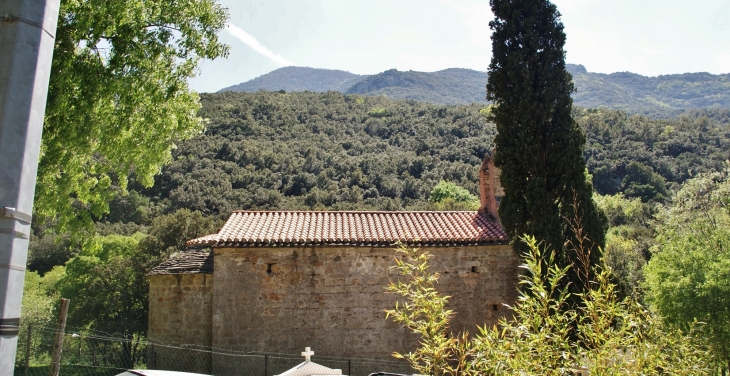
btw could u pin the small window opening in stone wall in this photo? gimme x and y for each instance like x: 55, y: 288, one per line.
x: 494, y: 307
x: 268, y: 268
x: 474, y: 269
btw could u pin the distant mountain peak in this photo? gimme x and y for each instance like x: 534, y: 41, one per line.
x: 299, y: 79
x: 576, y: 68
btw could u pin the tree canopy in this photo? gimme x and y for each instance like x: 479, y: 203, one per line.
x: 449, y: 196
x: 304, y: 151
x: 539, y: 146
x: 328, y: 151
x: 118, y: 97
x: 687, y: 276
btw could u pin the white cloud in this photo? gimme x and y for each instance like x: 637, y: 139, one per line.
x: 252, y: 42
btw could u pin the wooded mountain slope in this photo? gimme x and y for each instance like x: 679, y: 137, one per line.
x: 449, y: 86
x: 661, y: 96
x: 331, y: 151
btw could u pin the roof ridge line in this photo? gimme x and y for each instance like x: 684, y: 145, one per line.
x: 356, y: 211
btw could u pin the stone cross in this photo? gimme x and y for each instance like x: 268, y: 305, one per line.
x: 307, y: 354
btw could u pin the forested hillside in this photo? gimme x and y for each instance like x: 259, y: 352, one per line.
x: 325, y: 151
x: 660, y: 97
x: 333, y: 151
x: 329, y: 151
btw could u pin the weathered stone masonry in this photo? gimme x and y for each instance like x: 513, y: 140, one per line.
x: 181, y: 308
x: 282, y: 299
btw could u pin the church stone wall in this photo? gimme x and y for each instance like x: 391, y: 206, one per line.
x: 180, y: 312
x: 282, y: 299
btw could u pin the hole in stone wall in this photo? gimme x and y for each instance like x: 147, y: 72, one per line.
x: 474, y: 269
x: 268, y: 268
x: 494, y: 307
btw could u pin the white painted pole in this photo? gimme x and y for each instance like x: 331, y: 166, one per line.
x: 27, y: 35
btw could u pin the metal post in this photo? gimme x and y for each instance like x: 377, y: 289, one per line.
x: 349, y: 367
x: 57, y: 349
x: 27, y: 349
x: 27, y: 34
x: 266, y: 365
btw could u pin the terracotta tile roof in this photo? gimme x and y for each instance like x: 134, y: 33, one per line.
x: 194, y: 261
x: 286, y: 228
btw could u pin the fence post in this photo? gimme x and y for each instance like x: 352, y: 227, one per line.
x: 58, y: 339
x: 27, y: 349
x: 349, y: 367
x: 266, y: 365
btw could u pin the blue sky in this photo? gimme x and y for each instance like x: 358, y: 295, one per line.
x: 649, y: 37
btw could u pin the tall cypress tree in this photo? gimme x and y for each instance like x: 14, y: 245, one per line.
x: 539, y: 145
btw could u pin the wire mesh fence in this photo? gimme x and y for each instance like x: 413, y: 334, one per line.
x: 87, y: 353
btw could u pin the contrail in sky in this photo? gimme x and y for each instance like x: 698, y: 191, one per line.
x: 258, y: 47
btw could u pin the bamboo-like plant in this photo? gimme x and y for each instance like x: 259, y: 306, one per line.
x: 545, y: 334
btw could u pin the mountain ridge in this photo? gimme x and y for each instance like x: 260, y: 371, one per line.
x: 657, y: 96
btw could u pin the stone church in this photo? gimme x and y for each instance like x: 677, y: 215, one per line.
x: 277, y: 281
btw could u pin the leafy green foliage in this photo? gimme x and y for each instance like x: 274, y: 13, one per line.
x: 611, y: 336
x: 39, y: 300
x: 167, y: 235
x: 449, y: 196
x: 118, y: 98
x: 324, y: 151
x: 101, y: 283
x: 47, y: 250
x: 106, y: 281
x: 129, y: 207
x: 629, y: 237
x: 539, y: 146
x: 687, y: 276
x: 301, y: 151
x: 622, y: 149
x: 424, y: 313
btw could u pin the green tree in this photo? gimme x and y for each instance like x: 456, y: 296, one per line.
x: 101, y: 283
x: 105, y: 293
x: 167, y: 234
x: 107, y: 281
x: 687, y: 276
x: 539, y: 145
x: 612, y: 336
x: 118, y: 98
x: 449, y: 196
x: 47, y: 250
x: 40, y: 297
x: 628, y: 239
x: 641, y: 181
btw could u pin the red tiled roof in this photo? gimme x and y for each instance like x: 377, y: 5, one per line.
x: 282, y: 228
